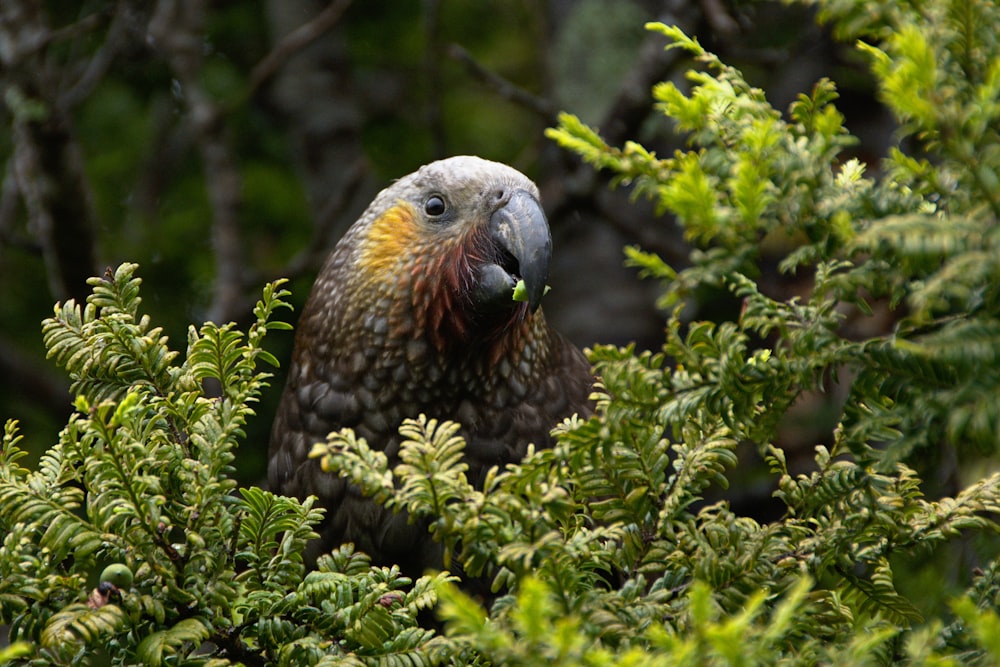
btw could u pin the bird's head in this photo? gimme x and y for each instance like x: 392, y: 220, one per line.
x: 444, y: 247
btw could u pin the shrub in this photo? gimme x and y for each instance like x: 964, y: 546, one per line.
x: 603, y: 549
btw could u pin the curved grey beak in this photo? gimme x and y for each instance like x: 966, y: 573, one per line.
x: 520, y: 228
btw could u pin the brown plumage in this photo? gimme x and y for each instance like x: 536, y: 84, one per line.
x: 413, y: 313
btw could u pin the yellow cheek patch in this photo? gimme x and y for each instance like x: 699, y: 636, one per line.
x: 391, y: 239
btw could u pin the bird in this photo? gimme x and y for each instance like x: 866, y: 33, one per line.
x: 413, y: 312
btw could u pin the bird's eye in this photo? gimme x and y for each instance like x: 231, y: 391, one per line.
x: 435, y: 206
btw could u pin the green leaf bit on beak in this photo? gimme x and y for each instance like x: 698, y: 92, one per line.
x: 521, y: 292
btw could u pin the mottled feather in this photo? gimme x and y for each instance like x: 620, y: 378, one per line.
x: 408, y: 316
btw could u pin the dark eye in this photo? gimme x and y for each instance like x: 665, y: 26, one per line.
x: 434, y: 206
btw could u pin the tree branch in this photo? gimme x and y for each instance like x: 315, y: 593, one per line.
x: 98, y: 65
x: 295, y: 41
x: 47, y: 165
x: 633, y: 102
x: 502, y: 86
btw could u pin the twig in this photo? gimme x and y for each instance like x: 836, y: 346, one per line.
x: 98, y: 65
x: 502, y: 86
x: 235, y: 648
x: 24, y: 33
x: 74, y: 30
x: 633, y: 103
x: 295, y: 41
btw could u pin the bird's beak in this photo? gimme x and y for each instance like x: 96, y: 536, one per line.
x: 519, y: 227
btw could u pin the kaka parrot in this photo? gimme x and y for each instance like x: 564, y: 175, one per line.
x: 413, y: 312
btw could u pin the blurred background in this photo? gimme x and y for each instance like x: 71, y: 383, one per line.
x: 224, y: 144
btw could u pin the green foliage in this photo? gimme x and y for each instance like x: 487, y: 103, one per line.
x: 919, y: 240
x: 616, y: 546
x: 141, y: 482
x: 917, y: 243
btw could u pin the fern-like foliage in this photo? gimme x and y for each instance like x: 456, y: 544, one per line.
x: 142, y: 477
x: 902, y: 243
x: 907, y: 238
